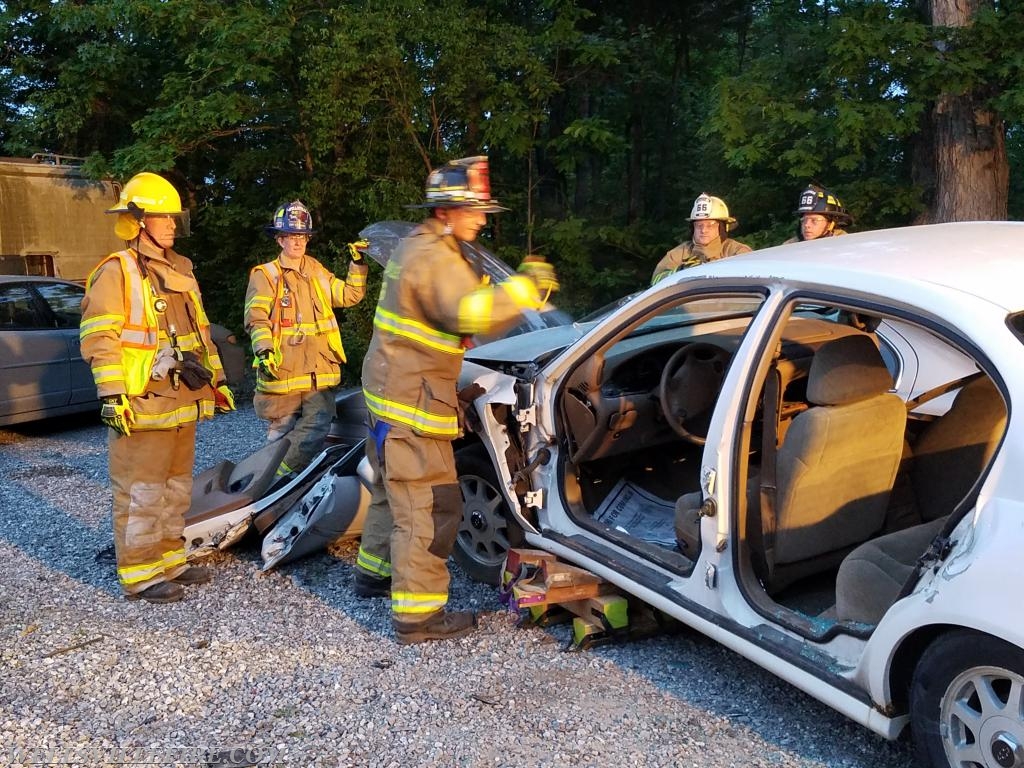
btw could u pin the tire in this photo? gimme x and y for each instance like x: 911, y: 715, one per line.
x: 488, y: 529
x: 967, y: 703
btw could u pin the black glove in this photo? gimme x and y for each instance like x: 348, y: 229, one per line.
x: 193, y: 372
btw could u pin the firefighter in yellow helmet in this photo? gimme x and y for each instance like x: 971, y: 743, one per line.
x: 710, y: 222
x: 289, y: 314
x: 821, y: 215
x: 432, y: 297
x: 146, y: 336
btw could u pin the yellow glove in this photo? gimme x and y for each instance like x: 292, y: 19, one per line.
x: 223, y: 400
x: 266, y: 363
x: 543, y: 274
x: 355, y: 251
x: 117, y: 414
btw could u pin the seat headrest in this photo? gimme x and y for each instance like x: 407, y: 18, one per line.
x: 847, y: 370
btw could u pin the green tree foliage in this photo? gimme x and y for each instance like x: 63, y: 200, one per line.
x: 603, y: 120
x: 841, y: 92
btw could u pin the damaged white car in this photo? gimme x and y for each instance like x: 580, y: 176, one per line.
x: 805, y: 453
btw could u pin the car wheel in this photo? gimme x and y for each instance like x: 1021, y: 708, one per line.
x: 488, y: 529
x: 967, y: 703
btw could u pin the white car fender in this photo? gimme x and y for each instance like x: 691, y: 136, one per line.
x: 976, y: 587
x: 499, y: 389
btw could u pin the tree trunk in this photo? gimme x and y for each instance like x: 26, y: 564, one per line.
x: 970, y: 168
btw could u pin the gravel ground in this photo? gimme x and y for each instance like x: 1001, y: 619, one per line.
x: 288, y: 667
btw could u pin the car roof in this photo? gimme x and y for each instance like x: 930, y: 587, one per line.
x: 983, y: 259
x: 36, y: 279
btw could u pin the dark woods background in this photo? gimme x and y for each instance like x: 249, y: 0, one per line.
x: 603, y: 118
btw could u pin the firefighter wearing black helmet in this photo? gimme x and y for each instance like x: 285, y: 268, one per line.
x: 821, y: 215
x: 431, y: 299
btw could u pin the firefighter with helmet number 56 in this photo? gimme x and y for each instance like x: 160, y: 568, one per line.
x: 146, y: 336
x: 432, y: 297
x: 710, y: 222
x: 289, y: 314
x: 821, y: 215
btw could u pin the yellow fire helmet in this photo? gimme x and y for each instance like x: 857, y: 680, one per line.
x: 147, y: 194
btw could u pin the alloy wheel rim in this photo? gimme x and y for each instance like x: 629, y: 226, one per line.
x: 981, y: 720
x: 484, y: 530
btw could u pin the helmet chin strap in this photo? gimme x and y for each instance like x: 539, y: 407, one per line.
x: 149, y: 237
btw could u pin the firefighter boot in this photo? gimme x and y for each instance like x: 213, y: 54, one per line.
x: 365, y: 585
x: 192, y: 575
x: 441, y: 625
x: 164, y: 592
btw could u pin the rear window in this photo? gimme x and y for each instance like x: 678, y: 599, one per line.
x: 1016, y: 324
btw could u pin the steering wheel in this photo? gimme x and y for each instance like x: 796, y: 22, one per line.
x: 690, y: 382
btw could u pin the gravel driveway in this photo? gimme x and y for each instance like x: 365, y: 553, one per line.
x: 289, y: 667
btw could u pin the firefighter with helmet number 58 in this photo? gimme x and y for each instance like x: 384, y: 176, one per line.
x: 821, y: 215
x: 289, y: 313
x: 432, y: 298
x: 146, y: 336
x: 710, y: 222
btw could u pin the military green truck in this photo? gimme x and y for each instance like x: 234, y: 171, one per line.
x: 51, y: 218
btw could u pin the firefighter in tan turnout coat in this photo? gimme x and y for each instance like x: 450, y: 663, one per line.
x: 821, y: 214
x: 147, y: 339
x: 289, y: 313
x: 431, y: 298
x: 710, y: 222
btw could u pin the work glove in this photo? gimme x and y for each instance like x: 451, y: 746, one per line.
x: 266, y: 364
x: 542, y: 273
x: 193, y: 372
x: 356, y: 251
x: 467, y: 416
x: 468, y: 394
x: 117, y: 414
x: 223, y: 400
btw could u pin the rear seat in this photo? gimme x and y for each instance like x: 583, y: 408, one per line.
x: 949, y: 457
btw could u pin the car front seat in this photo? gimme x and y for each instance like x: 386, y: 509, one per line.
x: 836, y: 469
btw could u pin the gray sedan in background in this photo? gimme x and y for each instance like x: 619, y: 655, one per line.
x: 42, y: 373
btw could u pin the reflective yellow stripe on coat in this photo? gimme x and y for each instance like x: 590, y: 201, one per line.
x: 441, y: 425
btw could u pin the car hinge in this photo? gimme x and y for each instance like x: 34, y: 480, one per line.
x: 534, y: 499
x: 711, y: 577
x: 937, y: 552
x: 526, y: 417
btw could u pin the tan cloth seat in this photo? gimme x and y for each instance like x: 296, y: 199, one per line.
x: 949, y: 457
x: 951, y: 453
x: 871, y: 577
x: 836, y: 468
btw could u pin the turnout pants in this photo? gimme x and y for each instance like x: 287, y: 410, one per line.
x: 414, y: 516
x: 303, y: 417
x: 151, y: 475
